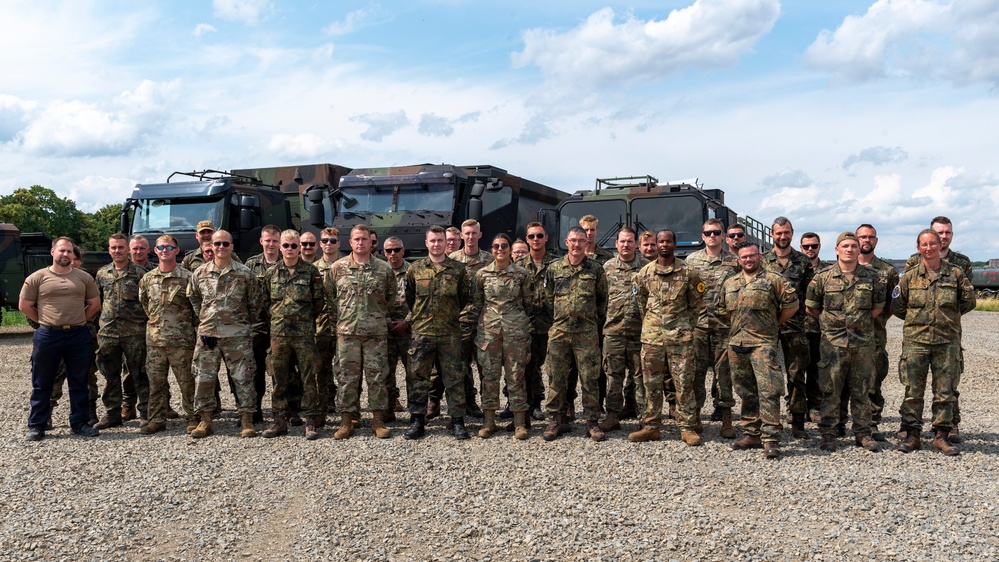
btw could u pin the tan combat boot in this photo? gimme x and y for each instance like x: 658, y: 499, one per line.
x: 279, y: 427
x: 311, y: 433
x: 943, y: 444
x: 346, y: 428
x: 191, y: 425
x: 727, y: 431
x: 378, y: 425
x: 205, y: 428
x: 488, y: 424
x: 611, y: 421
x: 520, y: 425
x: 690, y: 437
x: 246, y: 425
x: 648, y: 432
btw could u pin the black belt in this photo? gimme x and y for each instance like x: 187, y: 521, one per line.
x: 64, y: 327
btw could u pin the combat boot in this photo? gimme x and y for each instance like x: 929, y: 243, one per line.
x: 943, y: 444
x: 647, y: 433
x: 192, y: 424
x: 828, y: 443
x: 691, y: 438
x: 458, y: 428
x: 311, y: 430
x: 378, y: 425
x: 876, y: 433
x: 630, y: 410
x: 488, y: 424
x: 151, y: 428
x: 346, y: 428
x: 171, y: 414
x: 93, y: 413
x: 520, y: 424
x: 108, y: 421
x: 771, y: 450
x: 954, y: 436
x: 417, y: 427
x: 611, y: 421
x: 716, y: 414
x: 553, y: 429
x: 798, y: 426
x: 246, y: 425
x: 389, y: 415
x: 205, y: 428
x: 128, y: 413
x: 727, y: 431
x: 594, y: 431
x: 868, y: 442
x: 279, y: 427
x: 397, y: 406
x: 748, y: 442
x: 911, y: 442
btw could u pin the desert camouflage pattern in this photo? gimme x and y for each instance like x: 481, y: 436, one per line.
x: 163, y: 296
x: 363, y: 296
x: 227, y: 300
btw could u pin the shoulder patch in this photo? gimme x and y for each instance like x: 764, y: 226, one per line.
x: 700, y: 287
x: 896, y: 292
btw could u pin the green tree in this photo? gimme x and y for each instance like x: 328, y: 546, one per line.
x: 99, y: 226
x: 39, y: 209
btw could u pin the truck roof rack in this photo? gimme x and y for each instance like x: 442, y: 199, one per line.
x: 626, y: 182
x: 215, y: 175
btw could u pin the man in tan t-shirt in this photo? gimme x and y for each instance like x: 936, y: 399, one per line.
x: 60, y: 299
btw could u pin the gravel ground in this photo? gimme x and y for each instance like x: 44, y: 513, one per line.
x: 125, y: 496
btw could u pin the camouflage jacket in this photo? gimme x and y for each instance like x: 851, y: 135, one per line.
x: 541, y: 321
x: 472, y: 264
x: 713, y: 271
x: 504, y: 299
x: 798, y: 272
x: 845, y: 304
x: 164, y: 298
x: 258, y: 264
x: 601, y: 255
x: 670, y: 299
x: 812, y: 323
x: 932, y: 302
x: 623, y: 316
x: 121, y: 312
x: 363, y: 296
x: 889, y: 278
x: 226, y: 300
x: 576, y: 295
x: 326, y: 322
x: 957, y: 259
x: 436, y: 295
x: 754, y: 305
x: 193, y: 260
x: 292, y: 300
x: 401, y: 308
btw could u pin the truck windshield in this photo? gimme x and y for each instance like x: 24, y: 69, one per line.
x: 167, y: 215
x: 611, y: 214
x: 369, y: 199
x: 684, y: 215
x: 411, y: 197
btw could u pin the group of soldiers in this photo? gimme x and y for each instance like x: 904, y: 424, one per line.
x: 634, y: 331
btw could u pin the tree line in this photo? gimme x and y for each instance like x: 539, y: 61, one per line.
x: 39, y: 209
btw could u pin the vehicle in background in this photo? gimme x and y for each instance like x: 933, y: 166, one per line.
x: 643, y: 203
x: 986, y: 281
x: 21, y: 254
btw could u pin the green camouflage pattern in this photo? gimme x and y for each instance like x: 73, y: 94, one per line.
x: 621, y: 361
x: 932, y: 302
x: 623, y: 316
x: 194, y: 259
x: 285, y: 354
x: 659, y: 364
x: 845, y: 304
x: 163, y: 296
x: 713, y: 270
x: 293, y: 299
x: 579, y: 348
x: 711, y: 352
x: 364, y: 296
x: 504, y: 297
x: 812, y: 323
x: 121, y: 312
x: 541, y: 321
x: 472, y: 264
x: 798, y: 273
x: 237, y: 351
x: 917, y: 360
x: 326, y: 322
x: 112, y: 352
x: 759, y: 383
x: 847, y: 366
x: 753, y: 306
x: 437, y: 297
x: 444, y: 353
x: 957, y: 259
x: 160, y: 359
x: 577, y: 296
x: 889, y: 278
x: 601, y: 255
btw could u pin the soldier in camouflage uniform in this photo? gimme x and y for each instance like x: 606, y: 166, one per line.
x: 888, y: 275
x: 270, y: 242
x: 589, y: 224
x: 845, y: 298
x: 945, y: 229
x: 576, y: 292
x: 329, y: 242
x: 225, y: 296
x: 794, y: 267
x: 122, y: 333
x: 293, y: 298
x: 195, y: 258
x: 473, y: 259
x: 622, y: 344
x: 398, y: 342
x: 931, y: 297
x: 363, y: 290
x: 536, y: 263
x: 647, y: 245
x: 503, y: 296
x: 757, y: 303
x: 669, y: 294
x: 811, y: 244
x: 713, y: 264
x: 735, y: 235
x: 438, y: 290
x: 169, y: 334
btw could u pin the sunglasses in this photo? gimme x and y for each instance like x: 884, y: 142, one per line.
x: 328, y: 240
x: 222, y: 244
x: 308, y: 244
x: 392, y: 250
x: 712, y: 233
x: 501, y: 246
x: 535, y: 236
x: 291, y: 245
x: 737, y: 235
x: 166, y: 248
x: 809, y: 246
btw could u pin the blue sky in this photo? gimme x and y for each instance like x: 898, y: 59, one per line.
x: 830, y: 113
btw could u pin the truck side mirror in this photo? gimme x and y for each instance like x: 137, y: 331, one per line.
x: 317, y: 212
x: 722, y: 214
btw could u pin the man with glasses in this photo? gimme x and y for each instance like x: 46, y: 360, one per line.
x: 195, y: 258
x: 309, y: 243
x: 453, y: 239
x: 329, y: 242
x: 474, y: 259
x: 270, y: 241
x: 536, y: 263
x: 714, y: 264
x: 735, y: 234
x: 398, y: 341
x: 170, y: 334
x: 225, y: 295
x: 810, y: 245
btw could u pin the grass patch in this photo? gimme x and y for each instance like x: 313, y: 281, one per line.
x: 14, y: 318
x: 988, y: 305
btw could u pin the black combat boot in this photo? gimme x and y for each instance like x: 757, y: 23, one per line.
x: 417, y: 426
x: 458, y: 428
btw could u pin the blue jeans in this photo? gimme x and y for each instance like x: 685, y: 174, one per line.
x: 52, y: 345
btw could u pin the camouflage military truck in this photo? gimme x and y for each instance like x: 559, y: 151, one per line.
x: 643, y: 203
x: 986, y: 281
x: 20, y: 256
x: 240, y: 201
x: 404, y: 201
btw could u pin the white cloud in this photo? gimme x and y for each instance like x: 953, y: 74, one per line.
x: 380, y: 125
x: 602, y: 52
x: 92, y: 188
x: 347, y: 25
x: 877, y: 155
x: 433, y: 125
x: 13, y: 112
x: 300, y: 146
x: 249, y: 12
x: 203, y: 28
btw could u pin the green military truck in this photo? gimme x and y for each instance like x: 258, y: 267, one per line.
x: 643, y: 203
x: 21, y: 254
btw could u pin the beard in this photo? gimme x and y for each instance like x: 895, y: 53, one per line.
x: 63, y: 262
x: 867, y: 250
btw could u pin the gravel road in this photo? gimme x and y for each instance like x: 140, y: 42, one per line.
x: 125, y: 496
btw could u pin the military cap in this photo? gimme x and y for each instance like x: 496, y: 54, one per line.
x: 205, y: 225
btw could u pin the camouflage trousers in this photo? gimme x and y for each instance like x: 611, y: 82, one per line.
x: 398, y: 348
x: 468, y: 356
x: 238, y: 355
x: 284, y: 354
x: 796, y: 358
x: 946, y: 363
x: 880, y: 374
x: 533, y: 379
x: 504, y: 356
x: 110, y: 354
x: 360, y: 357
x: 813, y: 392
x: 565, y: 351
x: 711, y: 352
x: 326, y: 345
x: 678, y: 361
x: 444, y: 353
x: 845, y: 367
x: 160, y: 360
x: 759, y: 382
x: 622, y: 362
